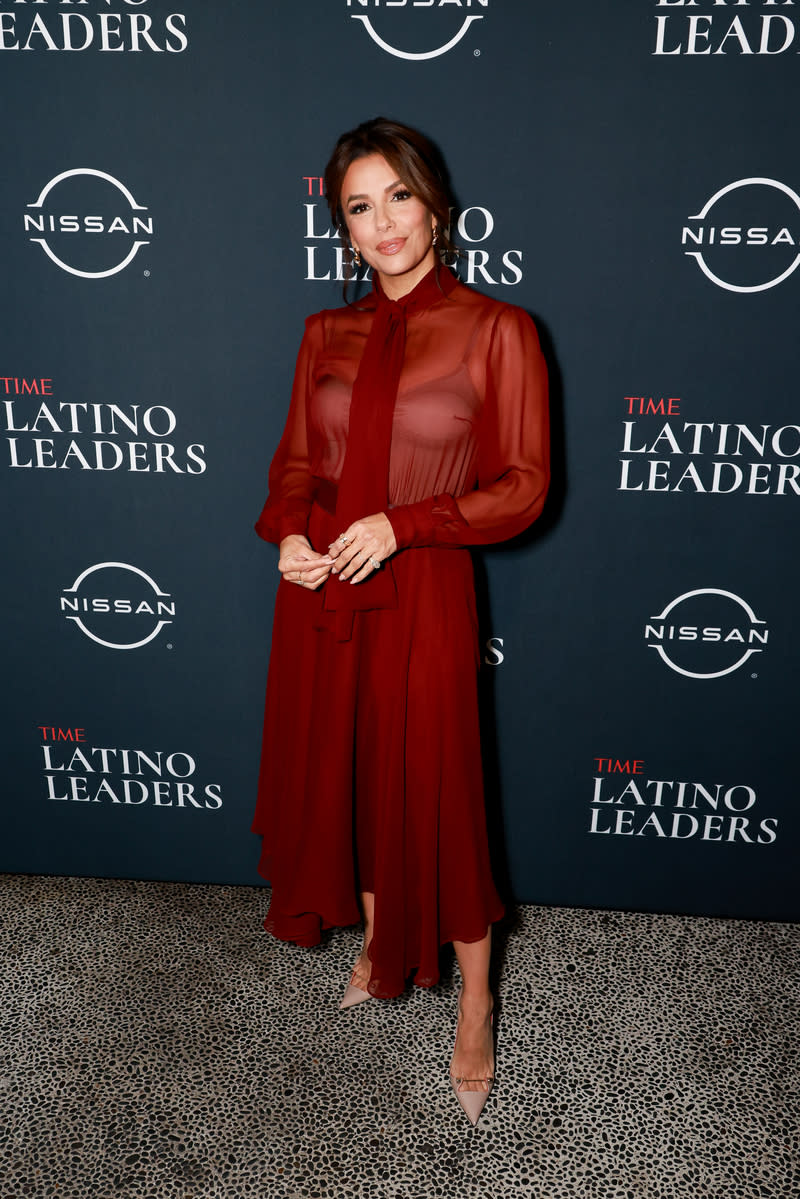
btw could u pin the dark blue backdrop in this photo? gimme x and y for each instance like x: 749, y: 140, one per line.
x: 163, y: 238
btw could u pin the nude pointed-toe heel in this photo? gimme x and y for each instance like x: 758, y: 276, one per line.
x: 352, y: 996
x: 472, y: 1103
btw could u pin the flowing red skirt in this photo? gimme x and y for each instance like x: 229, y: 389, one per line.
x: 371, y: 774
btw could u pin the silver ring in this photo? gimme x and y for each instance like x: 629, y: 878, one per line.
x: 374, y: 563
x: 345, y: 540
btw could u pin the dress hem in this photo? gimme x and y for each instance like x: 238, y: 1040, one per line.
x: 312, y: 938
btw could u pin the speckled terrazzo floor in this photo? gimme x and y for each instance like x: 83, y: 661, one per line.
x: 157, y: 1044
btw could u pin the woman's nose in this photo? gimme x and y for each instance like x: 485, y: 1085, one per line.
x: 384, y: 219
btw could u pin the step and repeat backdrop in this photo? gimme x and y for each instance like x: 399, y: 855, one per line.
x: 623, y: 171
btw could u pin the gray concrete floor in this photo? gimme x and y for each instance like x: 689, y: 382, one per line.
x: 157, y: 1044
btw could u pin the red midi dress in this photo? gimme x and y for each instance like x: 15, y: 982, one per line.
x: 371, y: 773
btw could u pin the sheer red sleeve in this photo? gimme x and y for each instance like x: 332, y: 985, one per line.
x: 290, y: 484
x: 513, y: 461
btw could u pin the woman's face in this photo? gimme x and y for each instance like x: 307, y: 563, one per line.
x: 390, y: 228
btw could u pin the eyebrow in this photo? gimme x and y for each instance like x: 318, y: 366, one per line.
x: 364, y: 196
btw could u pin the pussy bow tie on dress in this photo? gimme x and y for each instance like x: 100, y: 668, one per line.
x: 364, y: 485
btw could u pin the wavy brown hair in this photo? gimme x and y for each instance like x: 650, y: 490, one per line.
x: 417, y: 162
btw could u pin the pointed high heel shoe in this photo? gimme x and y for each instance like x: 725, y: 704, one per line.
x: 352, y: 996
x: 472, y: 1102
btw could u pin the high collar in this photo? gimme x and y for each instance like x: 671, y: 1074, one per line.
x: 438, y: 283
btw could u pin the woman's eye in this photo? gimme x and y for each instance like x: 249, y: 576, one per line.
x: 402, y: 194
x: 356, y: 209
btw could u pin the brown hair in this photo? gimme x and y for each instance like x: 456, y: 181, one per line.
x: 415, y: 159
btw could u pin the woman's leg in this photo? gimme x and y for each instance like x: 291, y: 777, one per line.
x: 473, y: 1056
x: 363, y: 966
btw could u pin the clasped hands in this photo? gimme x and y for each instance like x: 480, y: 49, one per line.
x: 349, y: 558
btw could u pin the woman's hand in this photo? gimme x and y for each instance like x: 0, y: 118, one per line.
x: 359, y: 547
x: 300, y: 564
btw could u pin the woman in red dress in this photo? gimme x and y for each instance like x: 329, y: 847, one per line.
x: 417, y: 428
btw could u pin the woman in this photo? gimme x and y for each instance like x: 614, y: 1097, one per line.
x: 417, y: 427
